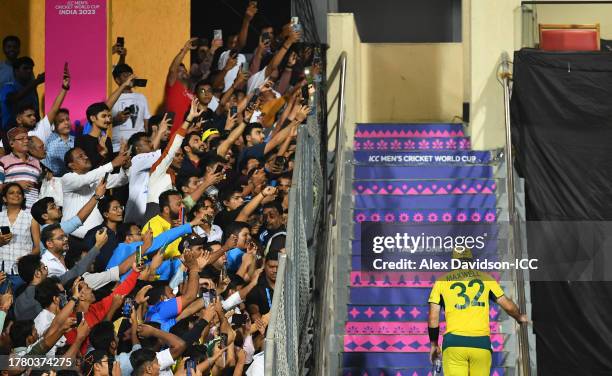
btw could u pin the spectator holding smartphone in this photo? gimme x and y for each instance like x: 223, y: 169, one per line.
x: 131, y: 111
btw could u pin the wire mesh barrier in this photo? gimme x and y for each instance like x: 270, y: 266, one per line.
x: 288, y: 337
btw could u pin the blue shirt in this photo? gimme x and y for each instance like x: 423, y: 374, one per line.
x: 164, y: 313
x: 6, y: 73
x: 56, y: 149
x: 6, y: 110
x: 234, y: 259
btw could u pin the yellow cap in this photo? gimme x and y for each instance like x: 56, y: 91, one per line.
x: 208, y: 133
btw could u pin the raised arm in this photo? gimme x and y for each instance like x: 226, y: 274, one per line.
x: 286, y: 132
x: 177, y: 346
x: 161, y: 129
x: 233, y: 136
x: 178, y: 59
x: 57, y: 103
x: 280, y: 54
x: 112, y: 99
x: 250, y: 12
x: 254, y: 204
x: 93, y: 201
x: 85, y: 262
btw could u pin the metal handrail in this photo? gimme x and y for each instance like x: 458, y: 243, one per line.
x: 514, y: 222
x: 269, y: 344
x: 339, y: 67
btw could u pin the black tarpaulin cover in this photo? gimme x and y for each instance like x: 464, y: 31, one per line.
x: 562, y: 132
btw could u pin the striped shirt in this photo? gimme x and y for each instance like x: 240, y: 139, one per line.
x: 13, y: 169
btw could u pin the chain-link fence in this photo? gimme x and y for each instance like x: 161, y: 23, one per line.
x: 288, y: 339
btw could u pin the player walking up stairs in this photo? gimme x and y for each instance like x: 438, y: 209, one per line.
x: 423, y: 177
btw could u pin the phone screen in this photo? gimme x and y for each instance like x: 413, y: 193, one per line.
x: 120, y: 41
x: 5, y: 230
x: 106, y: 177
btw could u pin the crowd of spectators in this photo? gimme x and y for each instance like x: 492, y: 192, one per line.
x: 148, y: 244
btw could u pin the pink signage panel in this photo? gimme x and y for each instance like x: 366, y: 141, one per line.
x: 76, y: 32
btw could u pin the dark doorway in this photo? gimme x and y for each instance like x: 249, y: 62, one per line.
x: 405, y: 21
x: 227, y: 15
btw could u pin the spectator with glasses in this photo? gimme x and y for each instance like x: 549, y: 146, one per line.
x: 20, y: 167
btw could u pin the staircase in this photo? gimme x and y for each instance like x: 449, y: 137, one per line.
x: 422, y: 174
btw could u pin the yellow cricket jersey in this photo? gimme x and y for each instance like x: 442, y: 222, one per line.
x: 465, y: 296
x: 159, y: 225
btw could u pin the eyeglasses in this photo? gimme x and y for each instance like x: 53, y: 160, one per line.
x: 203, y: 90
x: 61, y: 238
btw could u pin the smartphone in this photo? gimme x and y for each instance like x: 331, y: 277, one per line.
x: 190, y: 365
x: 105, y: 179
x: 6, y: 286
x: 305, y: 94
x: 245, y: 67
x: 182, y: 215
x: 223, y: 342
x: 5, y: 230
x: 233, y: 110
x: 139, y: 82
x: 217, y: 34
x: 206, y: 297
x: 202, y: 42
x: 139, y: 256
x: 128, y: 306
x: 266, y: 37
x: 79, y: 318
x: 66, y: 74
x: 239, y: 319
x: 120, y: 41
x: 219, y: 169
x: 280, y: 161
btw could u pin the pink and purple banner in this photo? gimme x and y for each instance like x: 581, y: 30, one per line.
x: 76, y: 33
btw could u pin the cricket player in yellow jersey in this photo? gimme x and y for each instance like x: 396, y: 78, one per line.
x: 465, y: 294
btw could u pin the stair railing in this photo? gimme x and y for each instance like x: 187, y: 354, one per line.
x: 513, y: 220
x: 338, y: 127
x: 327, y: 279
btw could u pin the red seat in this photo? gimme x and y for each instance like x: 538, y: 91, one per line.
x: 569, y: 37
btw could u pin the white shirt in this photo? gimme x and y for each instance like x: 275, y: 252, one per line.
x: 135, y: 123
x: 231, y: 75
x: 42, y: 322
x: 258, y: 366
x: 42, y: 130
x: 215, y: 234
x: 214, y: 103
x: 164, y: 358
x: 231, y: 301
x: 159, y: 180
x: 139, y: 186
x: 54, y: 265
x: 21, y: 243
x: 78, y: 189
x: 256, y: 80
